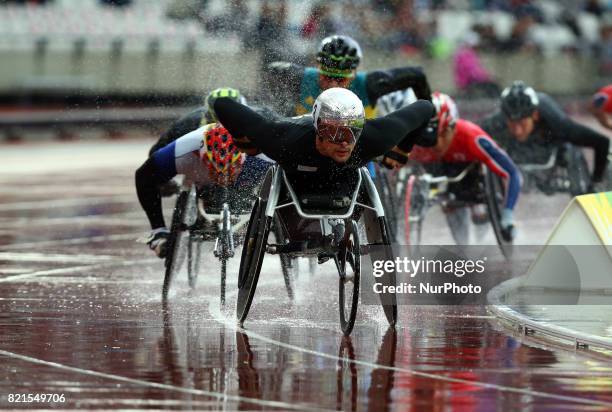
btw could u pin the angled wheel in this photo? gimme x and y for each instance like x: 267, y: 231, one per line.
x: 223, y: 279
x: 388, y: 300
x: 175, y: 254
x: 414, y: 210
x: 387, y: 198
x: 286, y: 261
x: 578, y: 171
x: 252, y: 258
x: 494, y: 194
x: 349, y: 268
x: 224, y: 248
x: 194, y: 252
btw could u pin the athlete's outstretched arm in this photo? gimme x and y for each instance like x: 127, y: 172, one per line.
x: 382, y: 134
x: 581, y: 135
x: 379, y: 83
x: 247, y: 127
x: 148, y: 179
x: 502, y: 165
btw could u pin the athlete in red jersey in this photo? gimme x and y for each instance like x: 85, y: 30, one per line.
x: 601, y: 106
x: 461, y: 141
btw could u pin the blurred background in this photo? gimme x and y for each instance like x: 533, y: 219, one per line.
x: 123, y: 66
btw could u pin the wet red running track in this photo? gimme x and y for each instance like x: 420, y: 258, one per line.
x: 81, y: 316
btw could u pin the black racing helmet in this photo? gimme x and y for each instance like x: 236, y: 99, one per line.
x: 338, y: 56
x: 519, y: 101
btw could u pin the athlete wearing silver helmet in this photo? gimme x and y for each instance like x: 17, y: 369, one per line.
x: 321, y: 151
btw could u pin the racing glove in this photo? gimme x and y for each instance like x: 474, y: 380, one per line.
x: 245, y: 145
x: 395, y: 158
x: 507, y: 224
x: 158, y: 240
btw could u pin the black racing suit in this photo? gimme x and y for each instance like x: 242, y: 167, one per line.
x: 552, y: 129
x: 291, y: 142
x: 192, y: 121
x: 289, y: 93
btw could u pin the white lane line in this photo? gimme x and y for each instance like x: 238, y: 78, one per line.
x: 77, y: 269
x: 219, y: 318
x: 80, y: 201
x: 53, y: 257
x: 74, y: 241
x: 132, y: 219
x: 45, y: 272
x: 218, y: 395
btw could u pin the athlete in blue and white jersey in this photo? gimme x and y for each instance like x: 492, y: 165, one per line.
x: 208, y: 158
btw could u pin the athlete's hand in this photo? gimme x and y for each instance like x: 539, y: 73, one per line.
x: 158, y: 240
x: 246, y: 145
x: 507, y: 225
x: 395, y: 159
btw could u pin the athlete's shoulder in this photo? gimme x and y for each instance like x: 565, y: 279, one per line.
x: 607, y: 90
x: 603, y: 99
x: 304, y: 120
x: 470, y: 128
x: 192, y: 141
x: 546, y: 102
x: 494, y: 122
x: 550, y: 111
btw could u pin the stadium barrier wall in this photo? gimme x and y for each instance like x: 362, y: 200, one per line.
x: 150, y: 70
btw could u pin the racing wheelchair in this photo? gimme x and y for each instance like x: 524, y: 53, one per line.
x: 192, y: 225
x: 565, y: 171
x: 416, y: 190
x: 320, y: 225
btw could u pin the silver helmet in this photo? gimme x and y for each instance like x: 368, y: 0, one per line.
x: 341, y: 109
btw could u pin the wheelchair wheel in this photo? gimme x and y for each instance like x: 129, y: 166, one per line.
x: 252, y: 257
x: 174, y: 253
x: 194, y: 252
x: 494, y: 194
x: 385, y: 192
x: 389, y: 303
x: 578, y: 171
x: 414, y: 207
x: 223, y: 279
x: 349, y: 267
x: 286, y: 261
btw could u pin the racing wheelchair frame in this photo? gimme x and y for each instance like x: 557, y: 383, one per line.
x: 419, y: 190
x: 324, y: 226
x: 566, y: 170
x: 188, y: 232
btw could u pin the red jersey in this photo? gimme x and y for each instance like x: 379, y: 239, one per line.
x: 472, y: 144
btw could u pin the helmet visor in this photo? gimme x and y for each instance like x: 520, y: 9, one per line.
x: 339, y: 133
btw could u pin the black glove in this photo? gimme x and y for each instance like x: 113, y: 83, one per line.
x: 428, y: 137
x: 395, y: 158
x: 245, y: 145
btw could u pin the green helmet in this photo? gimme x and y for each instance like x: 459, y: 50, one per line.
x: 209, y: 101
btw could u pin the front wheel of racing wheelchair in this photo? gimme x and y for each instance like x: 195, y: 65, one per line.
x: 468, y: 186
x: 184, y: 215
x: 188, y: 232
x: 495, y: 195
x: 338, y: 228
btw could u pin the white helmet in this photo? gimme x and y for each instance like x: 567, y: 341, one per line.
x: 338, y: 108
